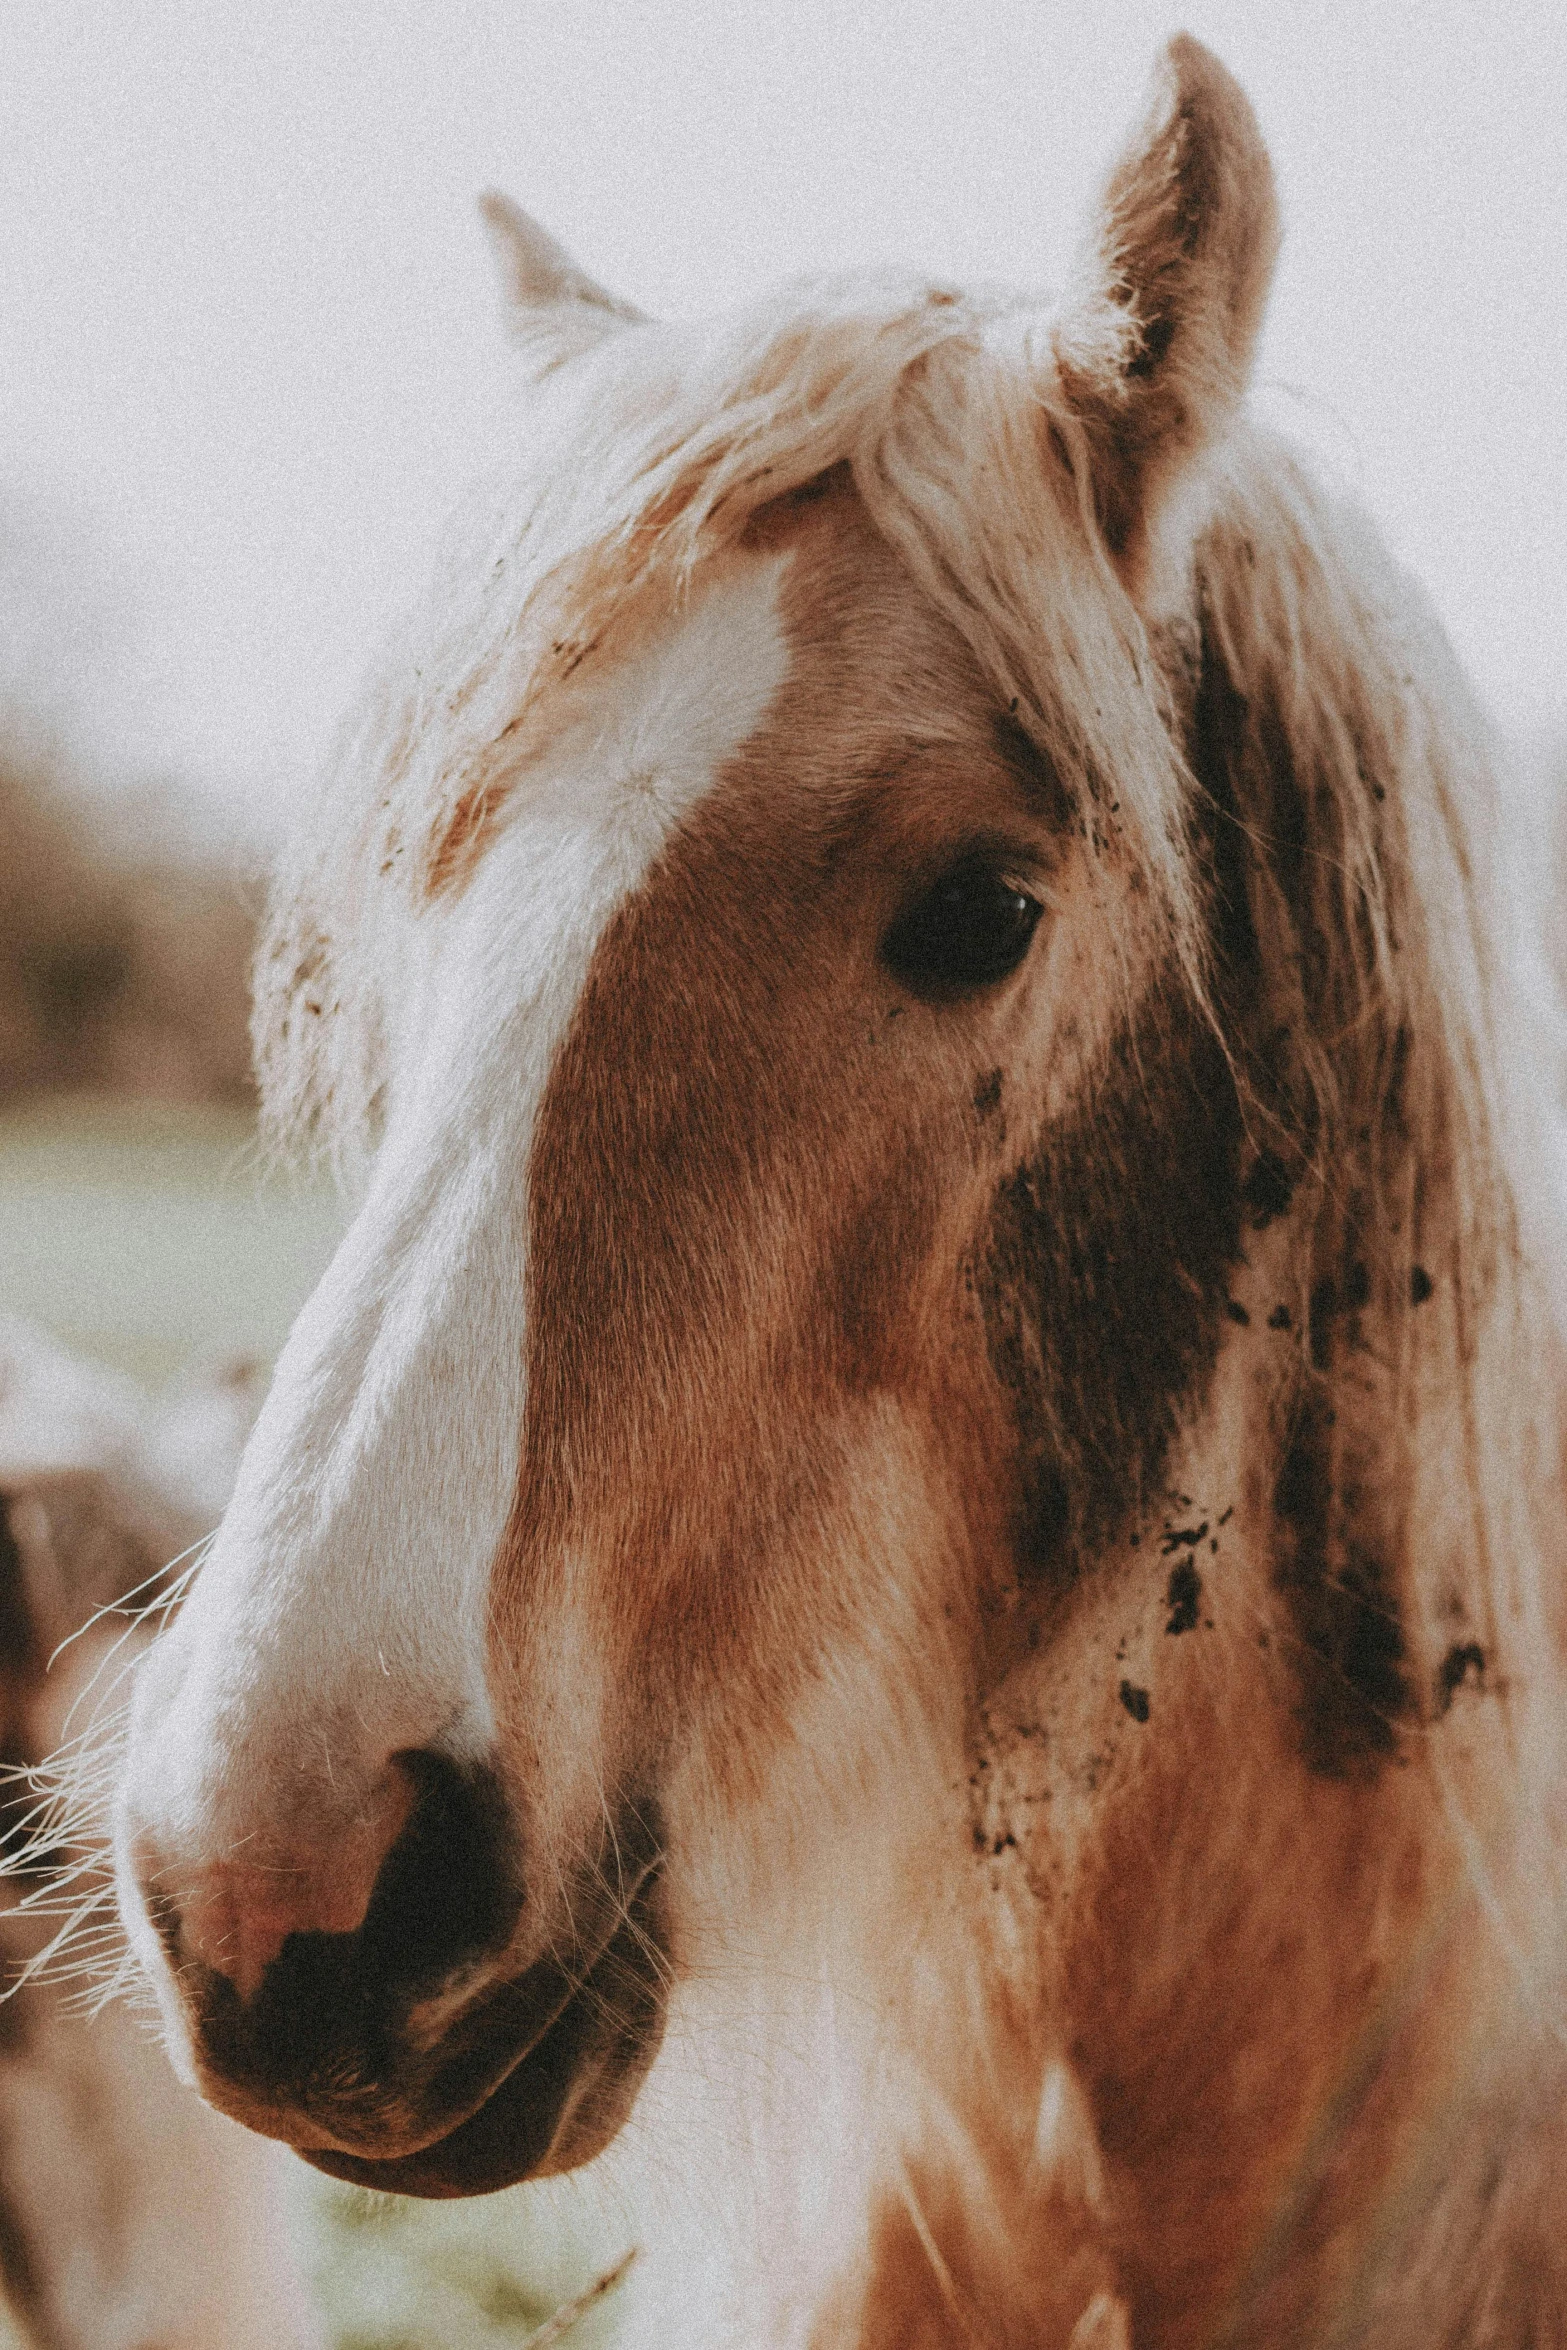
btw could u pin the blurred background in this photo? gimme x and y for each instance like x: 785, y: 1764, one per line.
x: 252, y: 354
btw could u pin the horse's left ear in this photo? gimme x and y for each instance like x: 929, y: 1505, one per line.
x: 554, y: 309
x: 1154, y: 353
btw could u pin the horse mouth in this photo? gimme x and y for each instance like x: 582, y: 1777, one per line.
x: 564, y: 2095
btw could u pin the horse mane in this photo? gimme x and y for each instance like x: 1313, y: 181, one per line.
x: 1352, y: 808
x: 1291, y: 770
x: 1336, y: 732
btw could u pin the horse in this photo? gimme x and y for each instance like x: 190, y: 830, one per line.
x: 901, y: 1599
x: 130, y: 2215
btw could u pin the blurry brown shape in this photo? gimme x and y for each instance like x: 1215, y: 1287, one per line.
x: 130, y: 2213
x: 121, y: 971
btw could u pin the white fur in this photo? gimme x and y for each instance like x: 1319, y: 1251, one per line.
x: 384, y: 1463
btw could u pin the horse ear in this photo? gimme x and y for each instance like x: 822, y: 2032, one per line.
x: 554, y: 309
x: 1154, y: 354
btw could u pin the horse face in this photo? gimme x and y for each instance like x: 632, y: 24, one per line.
x: 757, y: 1308
x: 654, y: 1378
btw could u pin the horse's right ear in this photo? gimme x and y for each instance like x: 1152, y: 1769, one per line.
x: 1154, y: 352
x: 553, y: 308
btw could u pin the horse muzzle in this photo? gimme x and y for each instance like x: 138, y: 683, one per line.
x: 456, y: 2038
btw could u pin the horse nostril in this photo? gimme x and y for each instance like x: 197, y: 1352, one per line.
x: 448, y: 1889
x: 233, y: 1916
x: 414, y: 1882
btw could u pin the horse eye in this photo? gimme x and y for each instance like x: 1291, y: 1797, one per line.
x: 971, y: 929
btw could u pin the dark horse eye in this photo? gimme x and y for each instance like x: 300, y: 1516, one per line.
x: 970, y: 930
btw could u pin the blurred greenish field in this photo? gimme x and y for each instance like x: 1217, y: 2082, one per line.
x: 484, y: 2275
x: 147, y: 1236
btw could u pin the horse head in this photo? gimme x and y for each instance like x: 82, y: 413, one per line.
x: 899, y: 956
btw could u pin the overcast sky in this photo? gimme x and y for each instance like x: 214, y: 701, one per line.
x: 250, y: 348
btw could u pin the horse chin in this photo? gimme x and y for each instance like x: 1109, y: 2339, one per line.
x: 560, y: 2104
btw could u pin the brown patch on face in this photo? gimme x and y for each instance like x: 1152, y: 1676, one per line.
x: 760, y: 1161
x: 1105, y: 1278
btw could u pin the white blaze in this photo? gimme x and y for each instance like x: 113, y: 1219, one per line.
x: 341, y: 1613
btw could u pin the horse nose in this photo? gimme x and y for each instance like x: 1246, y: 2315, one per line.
x: 402, y: 1891
x: 234, y: 1915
